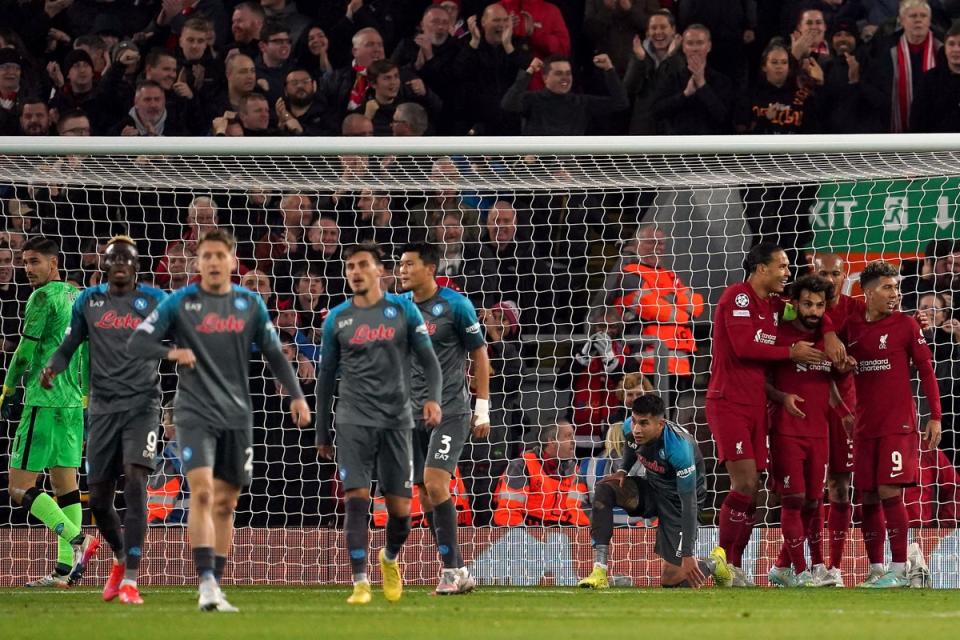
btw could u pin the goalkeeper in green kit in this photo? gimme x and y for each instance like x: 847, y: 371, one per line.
x: 50, y: 433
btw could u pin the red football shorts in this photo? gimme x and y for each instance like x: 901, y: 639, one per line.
x: 891, y: 459
x: 798, y: 465
x: 841, y: 447
x: 740, y: 431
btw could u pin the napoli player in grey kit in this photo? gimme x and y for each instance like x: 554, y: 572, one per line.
x: 214, y: 326
x: 370, y: 339
x: 124, y: 408
x: 671, y: 490
x: 455, y: 333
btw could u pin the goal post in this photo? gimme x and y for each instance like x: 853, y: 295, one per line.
x: 569, y: 211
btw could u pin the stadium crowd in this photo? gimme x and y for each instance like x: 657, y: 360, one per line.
x: 381, y: 67
x: 472, y: 67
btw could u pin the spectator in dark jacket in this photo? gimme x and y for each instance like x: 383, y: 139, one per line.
x: 246, y: 23
x: 432, y: 55
x: 388, y: 89
x: 843, y: 107
x: 345, y: 90
x: 149, y: 115
x: 486, y: 68
x: 645, y: 68
x: 301, y: 110
x: 554, y: 111
x: 732, y: 24
x: 782, y: 102
x: 892, y: 78
x: 936, y: 108
x: 693, y: 99
x: 274, y: 59
x: 612, y: 24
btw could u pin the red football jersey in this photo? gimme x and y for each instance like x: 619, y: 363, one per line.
x: 812, y: 383
x: 883, y: 351
x: 744, y: 342
x: 839, y: 315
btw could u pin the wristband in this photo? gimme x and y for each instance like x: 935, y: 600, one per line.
x: 482, y: 411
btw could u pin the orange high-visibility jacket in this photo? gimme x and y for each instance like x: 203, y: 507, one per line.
x: 162, y: 500
x: 458, y: 493
x: 665, y: 306
x: 543, y: 499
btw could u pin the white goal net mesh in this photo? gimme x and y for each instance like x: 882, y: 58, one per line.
x: 547, y: 248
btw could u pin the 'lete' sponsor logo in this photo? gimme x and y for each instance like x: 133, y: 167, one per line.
x: 364, y: 334
x: 215, y: 323
x: 113, y: 320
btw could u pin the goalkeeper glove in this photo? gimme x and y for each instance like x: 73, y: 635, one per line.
x: 789, y: 313
x: 11, y: 407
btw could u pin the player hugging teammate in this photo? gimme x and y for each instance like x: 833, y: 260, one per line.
x: 814, y: 412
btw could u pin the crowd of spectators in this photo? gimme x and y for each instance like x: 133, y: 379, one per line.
x: 473, y: 67
x: 527, y: 260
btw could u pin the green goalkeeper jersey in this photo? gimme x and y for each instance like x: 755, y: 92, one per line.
x: 45, y: 321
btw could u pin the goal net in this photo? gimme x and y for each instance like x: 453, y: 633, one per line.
x: 549, y: 239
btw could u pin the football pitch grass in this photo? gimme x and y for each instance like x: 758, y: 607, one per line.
x: 491, y: 612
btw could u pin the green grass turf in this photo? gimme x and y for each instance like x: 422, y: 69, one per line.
x: 492, y: 612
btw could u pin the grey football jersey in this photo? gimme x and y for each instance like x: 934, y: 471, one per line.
x: 221, y: 330
x: 454, y: 331
x: 118, y: 381
x: 371, y: 347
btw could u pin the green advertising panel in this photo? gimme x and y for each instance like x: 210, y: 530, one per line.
x: 892, y: 216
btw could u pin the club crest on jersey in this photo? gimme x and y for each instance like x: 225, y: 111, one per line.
x: 883, y: 341
x: 740, y: 448
x: 186, y: 453
x: 437, y: 309
x: 140, y: 304
x: 365, y: 333
x: 241, y: 304
x: 390, y: 312
x: 215, y: 323
x: 742, y: 300
x: 113, y: 320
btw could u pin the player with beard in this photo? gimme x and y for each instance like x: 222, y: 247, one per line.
x: 744, y: 344
x: 124, y: 407
x: 49, y: 435
x: 799, y: 435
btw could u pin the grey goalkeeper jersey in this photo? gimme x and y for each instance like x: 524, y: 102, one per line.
x: 371, y: 347
x: 454, y: 331
x: 221, y: 330
x: 118, y: 381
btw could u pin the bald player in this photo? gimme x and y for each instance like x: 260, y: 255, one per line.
x: 832, y: 267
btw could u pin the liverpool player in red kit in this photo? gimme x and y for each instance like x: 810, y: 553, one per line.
x: 832, y: 267
x: 799, y: 437
x: 886, y: 443
x: 744, y: 337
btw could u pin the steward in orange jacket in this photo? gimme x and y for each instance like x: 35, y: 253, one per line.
x: 542, y: 487
x: 664, y: 306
